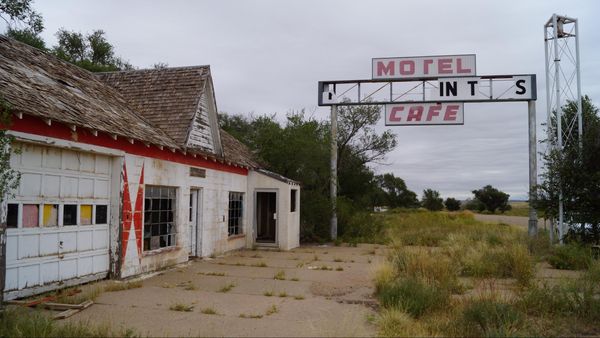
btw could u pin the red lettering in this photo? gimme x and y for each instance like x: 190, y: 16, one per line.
x: 415, y: 113
x: 459, y: 68
x: 411, y: 67
x: 451, y: 111
x: 393, y: 117
x: 445, y: 66
x: 382, y: 69
x: 426, y: 64
x: 434, y: 110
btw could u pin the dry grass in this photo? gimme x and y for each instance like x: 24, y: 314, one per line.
x: 280, y: 275
x: 251, y: 316
x: 208, y: 311
x: 268, y: 293
x: 180, y: 307
x: 272, y: 310
x: 227, y: 287
x: 422, y: 284
x: 89, y: 292
x: 260, y: 265
x: 119, y: 286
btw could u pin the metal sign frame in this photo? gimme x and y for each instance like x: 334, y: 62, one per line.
x: 532, y: 227
x: 422, y: 82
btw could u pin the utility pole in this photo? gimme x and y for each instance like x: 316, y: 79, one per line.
x: 333, y: 181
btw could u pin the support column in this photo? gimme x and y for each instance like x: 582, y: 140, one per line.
x: 334, y: 181
x: 533, y: 221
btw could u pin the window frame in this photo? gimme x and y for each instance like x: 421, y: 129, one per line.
x: 293, y: 200
x: 173, y: 234
x: 240, y: 218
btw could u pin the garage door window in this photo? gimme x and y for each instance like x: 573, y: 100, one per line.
x: 101, y: 214
x: 12, y: 216
x: 159, y: 224
x: 30, y: 215
x: 70, y: 214
x: 50, y: 215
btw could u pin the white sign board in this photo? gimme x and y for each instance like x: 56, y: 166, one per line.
x: 422, y: 67
x: 482, y: 89
x: 417, y: 114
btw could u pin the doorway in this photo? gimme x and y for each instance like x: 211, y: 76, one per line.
x: 194, y: 222
x: 266, y: 217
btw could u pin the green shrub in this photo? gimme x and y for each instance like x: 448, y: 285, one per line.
x: 412, y: 296
x: 486, y: 317
x: 570, y: 256
x: 501, y: 262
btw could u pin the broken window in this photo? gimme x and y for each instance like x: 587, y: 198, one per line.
x: 236, y: 208
x: 159, y: 221
x: 293, y: 194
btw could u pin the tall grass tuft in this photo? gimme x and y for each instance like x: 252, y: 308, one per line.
x: 490, y: 318
x: 412, y: 296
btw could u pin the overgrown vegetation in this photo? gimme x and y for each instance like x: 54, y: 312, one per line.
x: 575, y: 173
x: 21, y: 322
x: 450, y: 275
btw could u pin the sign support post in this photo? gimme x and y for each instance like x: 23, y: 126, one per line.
x: 533, y: 220
x: 333, y: 180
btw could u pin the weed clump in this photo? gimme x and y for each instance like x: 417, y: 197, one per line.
x: 412, y: 296
x: 490, y: 318
x: 570, y: 257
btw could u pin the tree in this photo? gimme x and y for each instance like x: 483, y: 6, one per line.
x: 24, y: 23
x: 18, y: 14
x: 492, y: 198
x: 92, y: 51
x: 27, y: 36
x: 576, y: 173
x: 357, y: 137
x: 396, y: 194
x: 452, y: 204
x: 431, y: 200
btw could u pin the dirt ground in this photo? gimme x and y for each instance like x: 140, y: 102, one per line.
x: 322, y: 291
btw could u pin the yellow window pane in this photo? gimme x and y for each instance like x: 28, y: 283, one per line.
x: 86, y: 214
x: 50, y: 218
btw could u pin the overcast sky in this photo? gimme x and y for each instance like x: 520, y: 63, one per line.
x: 267, y: 57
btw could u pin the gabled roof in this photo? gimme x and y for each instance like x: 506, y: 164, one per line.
x: 41, y: 85
x: 168, y: 97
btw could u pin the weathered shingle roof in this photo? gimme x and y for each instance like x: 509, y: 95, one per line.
x: 168, y: 97
x: 237, y: 152
x: 39, y: 84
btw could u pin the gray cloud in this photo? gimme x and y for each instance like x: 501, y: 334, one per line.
x: 267, y: 56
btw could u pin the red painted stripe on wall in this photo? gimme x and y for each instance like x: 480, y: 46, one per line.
x: 33, y: 125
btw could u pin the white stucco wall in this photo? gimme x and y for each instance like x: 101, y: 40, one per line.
x: 213, y: 210
x: 288, y: 223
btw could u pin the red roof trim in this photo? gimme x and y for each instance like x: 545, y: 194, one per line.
x: 33, y: 125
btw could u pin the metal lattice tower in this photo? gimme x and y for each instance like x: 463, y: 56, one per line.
x: 563, y: 85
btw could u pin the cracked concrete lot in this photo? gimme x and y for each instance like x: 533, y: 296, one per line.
x: 309, y: 291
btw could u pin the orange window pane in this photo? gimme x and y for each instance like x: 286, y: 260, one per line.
x: 86, y: 214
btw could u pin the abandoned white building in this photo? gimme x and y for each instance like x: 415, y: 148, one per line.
x: 125, y: 173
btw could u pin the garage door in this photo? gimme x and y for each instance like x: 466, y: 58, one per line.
x: 57, y: 220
